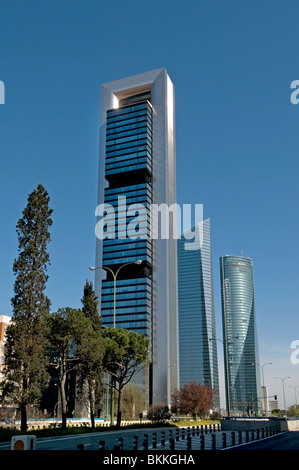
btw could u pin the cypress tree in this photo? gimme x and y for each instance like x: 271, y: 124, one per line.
x: 90, y: 351
x: 90, y: 305
x: 25, y: 350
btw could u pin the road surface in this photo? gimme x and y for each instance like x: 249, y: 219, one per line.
x: 285, y: 441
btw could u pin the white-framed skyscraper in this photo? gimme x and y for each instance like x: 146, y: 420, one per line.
x: 137, y: 164
x: 197, y: 325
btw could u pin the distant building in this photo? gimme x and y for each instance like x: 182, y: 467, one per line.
x: 4, y: 322
x: 197, y: 330
x: 242, y: 377
x: 273, y: 405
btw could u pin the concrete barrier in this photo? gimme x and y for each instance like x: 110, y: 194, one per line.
x: 253, y: 424
x: 289, y: 424
x: 244, y: 424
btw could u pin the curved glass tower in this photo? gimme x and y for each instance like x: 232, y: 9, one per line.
x: 239, y: 335
x: 198, y: 355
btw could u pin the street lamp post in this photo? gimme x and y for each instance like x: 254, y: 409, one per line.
x: 114, y: 275
x: 263, y: 379
x: 297, y: 386
x: 284, y: 398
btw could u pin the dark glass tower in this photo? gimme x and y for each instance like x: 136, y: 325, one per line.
x: 239, y: 335
x: 136, y: 170
x: 198, y: 353
x: 128, y: 170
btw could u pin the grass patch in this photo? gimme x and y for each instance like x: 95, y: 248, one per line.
x: 193, y: 422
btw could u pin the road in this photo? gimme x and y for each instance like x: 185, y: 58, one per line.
x: 285, y: 441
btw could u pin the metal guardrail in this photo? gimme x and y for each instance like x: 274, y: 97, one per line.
x: 193, y: 438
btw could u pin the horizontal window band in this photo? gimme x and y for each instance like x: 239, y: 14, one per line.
x: 139, y: 317
x: 129, y: 154
x: 128, y: 118
x: 128, y: 311
x: 128, y: 191
x: 133, y: 106
x: 110, y: 252
x: 124, y: 296
x: 129, y: 150
x: 127, y: 168
x: 131, y: 121
x: 134, y: 131
x: 130, y: 187
x: 127, y: 110
x: 127, y: 140
x: 145, y: 193
x: 123, y: 243
x: 144, y: 200
x: 126, y: 254
x: 129, y: 129
x: 130, y: 114
x: 131, y: 281
x: 128, y: 159
x: 113, y: 262
x: 141, y: 144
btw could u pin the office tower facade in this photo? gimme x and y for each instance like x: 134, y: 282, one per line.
x: 136, y: 171
x: 242, y: 376
x: 197, y: 328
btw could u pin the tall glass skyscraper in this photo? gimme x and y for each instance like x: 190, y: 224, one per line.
x: 137, y: 170
x: 198, y: 354
x: 242, y: 377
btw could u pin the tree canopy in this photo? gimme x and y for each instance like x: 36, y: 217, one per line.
x: 126, y: 353
x: 193, y: 398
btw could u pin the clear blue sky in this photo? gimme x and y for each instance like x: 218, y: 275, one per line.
x: 232, y: 63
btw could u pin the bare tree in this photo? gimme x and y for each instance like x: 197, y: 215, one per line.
x: 193, y: 398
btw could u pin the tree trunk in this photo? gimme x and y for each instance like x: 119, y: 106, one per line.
x: 63, y: 402
x: 23, y: 407
x: 91, y: 405
x: 24, y: 425
x: 118, y: 421
x: 92, y: 420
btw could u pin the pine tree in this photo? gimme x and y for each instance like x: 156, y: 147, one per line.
x: 25, y: 358
x: 62, y: 328
x: 126, y: 353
